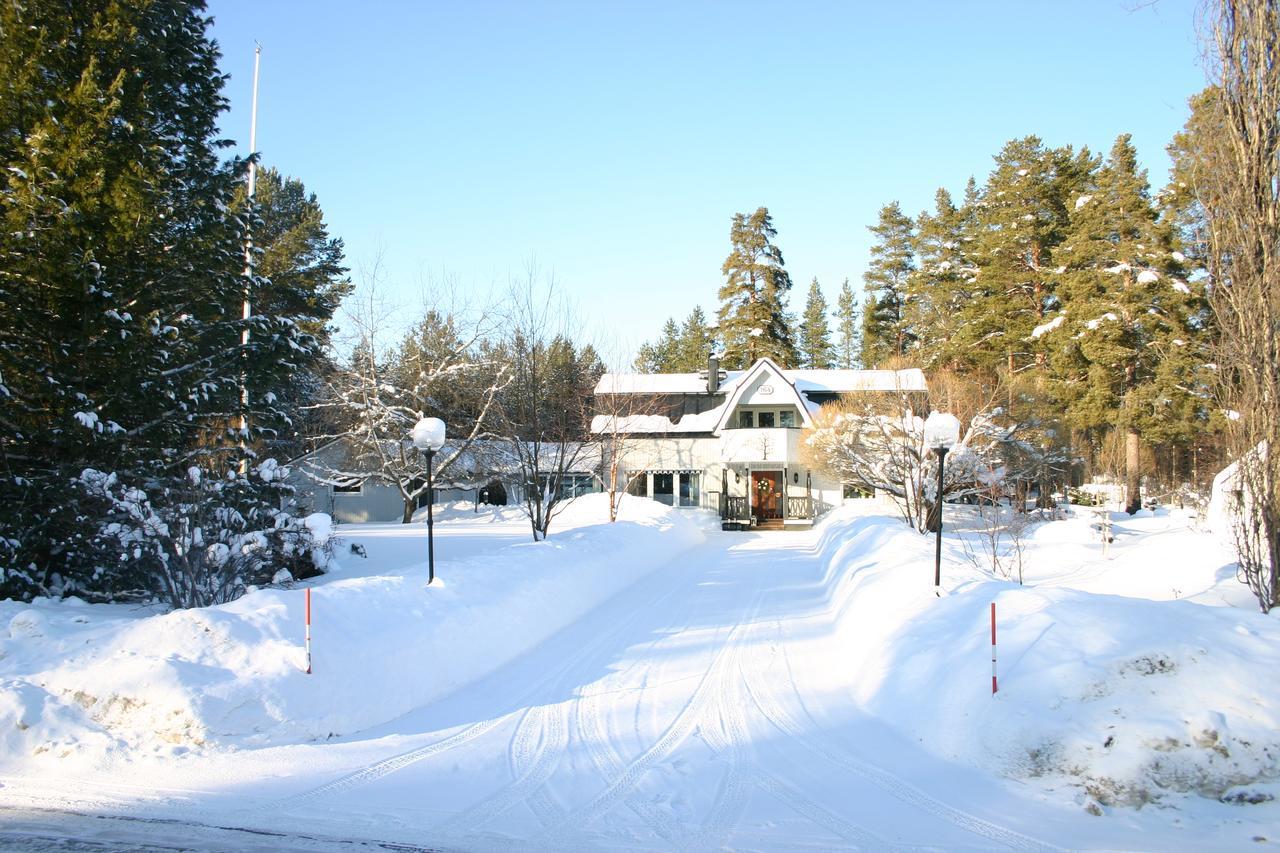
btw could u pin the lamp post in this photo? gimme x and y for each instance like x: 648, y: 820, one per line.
x: 428, y: 436
x: 941, y: 432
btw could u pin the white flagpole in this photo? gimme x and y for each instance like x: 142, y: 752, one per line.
x: 248, y: 267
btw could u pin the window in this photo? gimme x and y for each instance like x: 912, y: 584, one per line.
x: 571, y: 485
x: 786, y: 419
x: 639, y: 486
x: 766, y: 420
x: 851, y: 491
x: 689, y: 488
x: 663, y: 489
x: 746, y: 420
x: 348, y: 487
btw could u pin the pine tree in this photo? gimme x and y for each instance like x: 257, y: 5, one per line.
x: 884, y: 330
x: 939, y: 288
x: 1124, y: 356
x: 753, y: 314
x: 1021, y: 219
x: 815, y: 333
x: 123, y: 286
x: 660, y: 356
x: 847, y: 343
x: 695, y: 343
x: 304, y: 277
x: 294, y: 252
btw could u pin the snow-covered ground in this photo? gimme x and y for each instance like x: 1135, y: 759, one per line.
x: 659, y: 684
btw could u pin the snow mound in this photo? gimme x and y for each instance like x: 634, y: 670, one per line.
x: 88, y: 680
x: 1126, y: 699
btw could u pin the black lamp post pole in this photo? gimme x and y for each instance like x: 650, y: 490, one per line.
x: 937, y: 553
x: 431, y: 545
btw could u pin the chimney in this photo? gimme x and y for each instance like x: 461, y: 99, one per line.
x: 713, y: 373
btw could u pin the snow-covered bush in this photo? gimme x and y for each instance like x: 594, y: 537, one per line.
x: 200, y: 539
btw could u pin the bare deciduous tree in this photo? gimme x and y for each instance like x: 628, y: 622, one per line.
x: 1236, y: 178
x: 545, y: 411
x: 440, y: 368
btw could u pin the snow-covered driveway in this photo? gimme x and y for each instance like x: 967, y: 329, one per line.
x: 673, y: 717
x: 710, y: 705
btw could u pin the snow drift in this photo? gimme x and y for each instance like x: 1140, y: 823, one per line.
x: 1122, y: 698
x: 79, y: 680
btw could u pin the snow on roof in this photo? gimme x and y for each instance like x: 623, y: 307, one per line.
x: 845, y: 381
x: 657, y: 424
x: 652, y: 383
x: 829, y: 381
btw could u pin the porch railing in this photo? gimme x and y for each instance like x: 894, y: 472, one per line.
x: 799, y: 506
x: 735, y: 508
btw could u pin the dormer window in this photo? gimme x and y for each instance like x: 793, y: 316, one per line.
x: 746, y: 420
x: 786, y: 419
x: 766, y: 420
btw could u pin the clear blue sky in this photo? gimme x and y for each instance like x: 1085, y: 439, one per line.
x: 613, y: 142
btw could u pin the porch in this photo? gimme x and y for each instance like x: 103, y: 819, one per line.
x: 773, y: 500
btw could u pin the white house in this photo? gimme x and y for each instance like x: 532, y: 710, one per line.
x: 730, y: 441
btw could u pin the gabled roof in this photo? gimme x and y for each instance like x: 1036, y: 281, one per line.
x: 821, y: 381
x: 763, y: 367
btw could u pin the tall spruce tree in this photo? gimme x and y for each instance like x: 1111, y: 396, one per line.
x: 884, y: 330
x: 846, y: 328
x: 816, y: 351
x: 121, y: 351
x: 753, y: 310
x: 1126, y: 349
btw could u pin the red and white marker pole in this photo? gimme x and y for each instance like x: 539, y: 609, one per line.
x: 993, y: 648
x: 308, y: 630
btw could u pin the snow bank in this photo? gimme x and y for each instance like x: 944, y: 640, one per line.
x: 77, y: 681
x: 1124, y: 699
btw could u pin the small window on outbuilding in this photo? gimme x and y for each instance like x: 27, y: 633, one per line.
x: 851, y: 491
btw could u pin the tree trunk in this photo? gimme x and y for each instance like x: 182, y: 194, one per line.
x: 1132, y: 472
x: 409, y: 507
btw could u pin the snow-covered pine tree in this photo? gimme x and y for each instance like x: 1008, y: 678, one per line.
x: 1124, y: 347
x: 847, y: 345
x: 939, y: 287
x: 308, y: 281
x: 885, y: 334
x: 816, y: 350
x: 753, y: 311
x: 122, y: 286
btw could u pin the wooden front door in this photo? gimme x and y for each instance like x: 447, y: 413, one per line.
x: 766, y: 494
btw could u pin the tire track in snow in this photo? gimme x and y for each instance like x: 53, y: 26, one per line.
x: 379, y: 769
x: 539, y: 742
x: 890, y: 783
x: 691, y: 714
x: 731, y: 795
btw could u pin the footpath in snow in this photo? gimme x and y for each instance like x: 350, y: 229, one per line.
x: 658, y: 684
